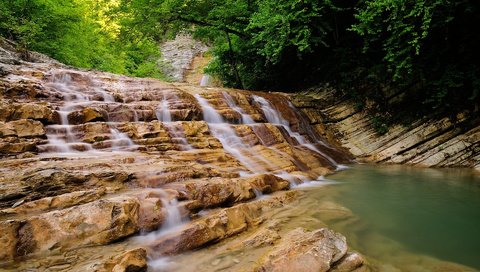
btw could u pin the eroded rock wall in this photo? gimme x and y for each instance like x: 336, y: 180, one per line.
x: 427, y: 142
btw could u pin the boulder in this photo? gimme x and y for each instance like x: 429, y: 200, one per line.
x: 24, y: 128
x: 134, y: 260
x: 39, y: 112
x: 95, y: 223
x: 350, y: 262
x: 300, y: 250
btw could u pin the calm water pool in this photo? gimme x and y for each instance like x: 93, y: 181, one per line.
x: 435, y: 212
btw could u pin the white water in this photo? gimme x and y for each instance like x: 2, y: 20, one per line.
x: 62, y: 138
x: 274, y: 117
x: 206, y: 81
x: 163, y: 111
x: 176, y: 132
x: 210, y: 115
x: 173, y: 219
x: 120, y: 140
x: 227, y: 136
x: 246, y: 119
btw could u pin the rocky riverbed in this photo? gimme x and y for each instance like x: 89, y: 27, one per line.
x: 102, y: 172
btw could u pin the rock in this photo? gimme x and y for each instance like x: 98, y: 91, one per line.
x: 95, y: 223
x: 39, y: 112
x: 132, y: 261
x: 53, y: 181
x: 19, y: 147
x: 220, y: 191
x: 56, y: 202
x: 24, y: 128
x: 350, y: 262
x: 427, y: 142
x: 263, y: 237
x: 151, y: 215
x: 300, y: 251
x: 87, y: 115
x: 8, y: 238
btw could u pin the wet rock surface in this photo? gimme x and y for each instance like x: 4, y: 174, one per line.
x: 102, y: 172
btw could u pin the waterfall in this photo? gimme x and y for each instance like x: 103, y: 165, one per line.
x: 63, y: 138
x: 120, y: 140
x: 273, y: 116
x: 246, y: 119
x: 173, y: 218
x: 227, y: 136
x: 206, y: 81
x: 163, y: 111
x: 176, y: 132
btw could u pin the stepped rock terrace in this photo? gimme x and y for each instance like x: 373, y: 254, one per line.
x: 102, y: 172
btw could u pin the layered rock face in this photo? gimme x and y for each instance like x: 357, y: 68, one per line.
x: 100, y: 171
x: 428, y: 142
x: 178, y: 55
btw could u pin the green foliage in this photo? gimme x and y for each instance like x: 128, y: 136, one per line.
x: 400, y: 27
x: 79, y: 33
x: 430, y: 45
x: 372, y: 50
x: 380, y: 123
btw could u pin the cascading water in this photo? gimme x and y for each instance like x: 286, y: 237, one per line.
x: 206, y: 81
x: 62, y: 138
x: 227, y: 136
x: 174, y: 130
x: 223, y: 132
x: 246, y: 119
x: 173, y: 219
x: 177, y: 134
x: 120, y: 140
x: 274, y: 117
x: 163, y: 111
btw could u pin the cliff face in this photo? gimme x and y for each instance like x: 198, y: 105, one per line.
x: 178, y: 56
x: 427, y: 142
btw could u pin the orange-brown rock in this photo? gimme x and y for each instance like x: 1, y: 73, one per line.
x: 219, y: 225
x: 95, y: 223
x: 306, y: 251
x: 23, y: 128
x: 134, y: 260
x: 220, y: 191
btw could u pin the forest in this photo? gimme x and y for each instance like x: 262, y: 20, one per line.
x: 423, y: 51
